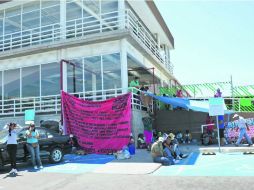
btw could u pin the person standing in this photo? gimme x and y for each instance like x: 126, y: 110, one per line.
x: 33, y: 146
x: 12, y: 146
x: 243, y: 126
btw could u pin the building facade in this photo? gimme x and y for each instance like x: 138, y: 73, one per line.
x: 105, y: 42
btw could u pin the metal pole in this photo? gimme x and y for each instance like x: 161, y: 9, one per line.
x: 153, y: 81
x: 232, y: 92
x: 217, y: 121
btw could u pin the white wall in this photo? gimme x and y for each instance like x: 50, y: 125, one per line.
x: 64, y: 53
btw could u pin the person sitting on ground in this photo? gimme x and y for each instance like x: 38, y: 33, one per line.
x: 175, y: 147
x: 179, y: 137
x: 157, y: 153
x: 141, y: 141
x: 188, y: 137
x: 74, y: 143
x: 168, y: 151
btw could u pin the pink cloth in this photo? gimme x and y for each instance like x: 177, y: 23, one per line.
x: 148, y: 136
x: 101, y: 127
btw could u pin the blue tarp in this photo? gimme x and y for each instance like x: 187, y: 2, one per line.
x: 195, y: 105
x: 176, y: 102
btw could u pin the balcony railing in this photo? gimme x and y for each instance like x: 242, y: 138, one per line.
x: 52, y: 104
x: 84, y: 28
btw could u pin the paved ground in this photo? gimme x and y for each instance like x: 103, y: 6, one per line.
x: 232, y: 170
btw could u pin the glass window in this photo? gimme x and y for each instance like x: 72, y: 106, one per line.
x: 111, y: 71
x: 73, y: 11
x: 12, y: 84
x: 31, y: 81
x: 32, y: 6
x: 31, y: 20
x: 1, y: 96
x: 109, y: 6
x: 94, y: 5
x: 50, y: 15
x: 13, y: 11
x: 109, y: 15
x: 42, y: 133
x: 78, y: 76
x: 70, y: 78
x: 12, y: 24
x: 49, y: 3
x: 92, y: 67
x: 1, y: 29
x: 50, y: 79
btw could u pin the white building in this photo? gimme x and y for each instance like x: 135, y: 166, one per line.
x: 108, y: 41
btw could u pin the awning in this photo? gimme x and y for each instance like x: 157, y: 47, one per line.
x: 195, y: 105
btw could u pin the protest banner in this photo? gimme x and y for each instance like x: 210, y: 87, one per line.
x: 101, y: 127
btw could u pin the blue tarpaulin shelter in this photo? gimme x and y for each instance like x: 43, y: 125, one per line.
x: 195, y: 105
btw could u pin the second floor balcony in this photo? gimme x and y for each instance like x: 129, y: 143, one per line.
x: 84, y: 28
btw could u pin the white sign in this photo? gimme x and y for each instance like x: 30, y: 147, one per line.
x: 216, y: 106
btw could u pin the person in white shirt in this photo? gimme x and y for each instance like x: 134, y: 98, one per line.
x: 243, y: 126
x: 12, y: 146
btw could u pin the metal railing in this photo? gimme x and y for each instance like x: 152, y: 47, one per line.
x: 142, y: 34
x: 52, y: 104
x: 83, y: 27
x: 234, y: 104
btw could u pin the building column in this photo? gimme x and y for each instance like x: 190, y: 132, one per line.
x: 63, y: 18
x: 124, y: 65
x: 121, y: 13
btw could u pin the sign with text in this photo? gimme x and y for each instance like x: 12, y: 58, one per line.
x: 101, y: 127
x: 216, y: 106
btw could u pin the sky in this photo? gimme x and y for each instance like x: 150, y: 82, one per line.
x: 213, y: 40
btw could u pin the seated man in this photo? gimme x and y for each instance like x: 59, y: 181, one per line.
x: 157, y: 153
x: 168, y: 152
x: 175, y: 148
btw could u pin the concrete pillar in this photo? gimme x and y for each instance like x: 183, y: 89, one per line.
x: 124, y: 65
x: 63, y: 18
x: 121, y: 12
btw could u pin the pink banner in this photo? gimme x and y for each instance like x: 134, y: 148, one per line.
x: 101, y: 127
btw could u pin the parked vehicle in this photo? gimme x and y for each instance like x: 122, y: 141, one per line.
x: 52, y: 146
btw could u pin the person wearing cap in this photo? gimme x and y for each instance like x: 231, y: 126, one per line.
x: 157, y: 153
x: 243, y: 126
x: 168, y: 152
x: 176, y: 151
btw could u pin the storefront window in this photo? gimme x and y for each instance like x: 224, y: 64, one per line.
x: 92, y: 67
x: 50, y: 79
x: 12, y: 84
x: 111, y: 71
x: 76, y: 81
x: 31, y: 81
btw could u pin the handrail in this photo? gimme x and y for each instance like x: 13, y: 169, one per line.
x: 47, y: 104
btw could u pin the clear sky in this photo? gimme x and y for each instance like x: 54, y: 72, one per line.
x: 213, y: 40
